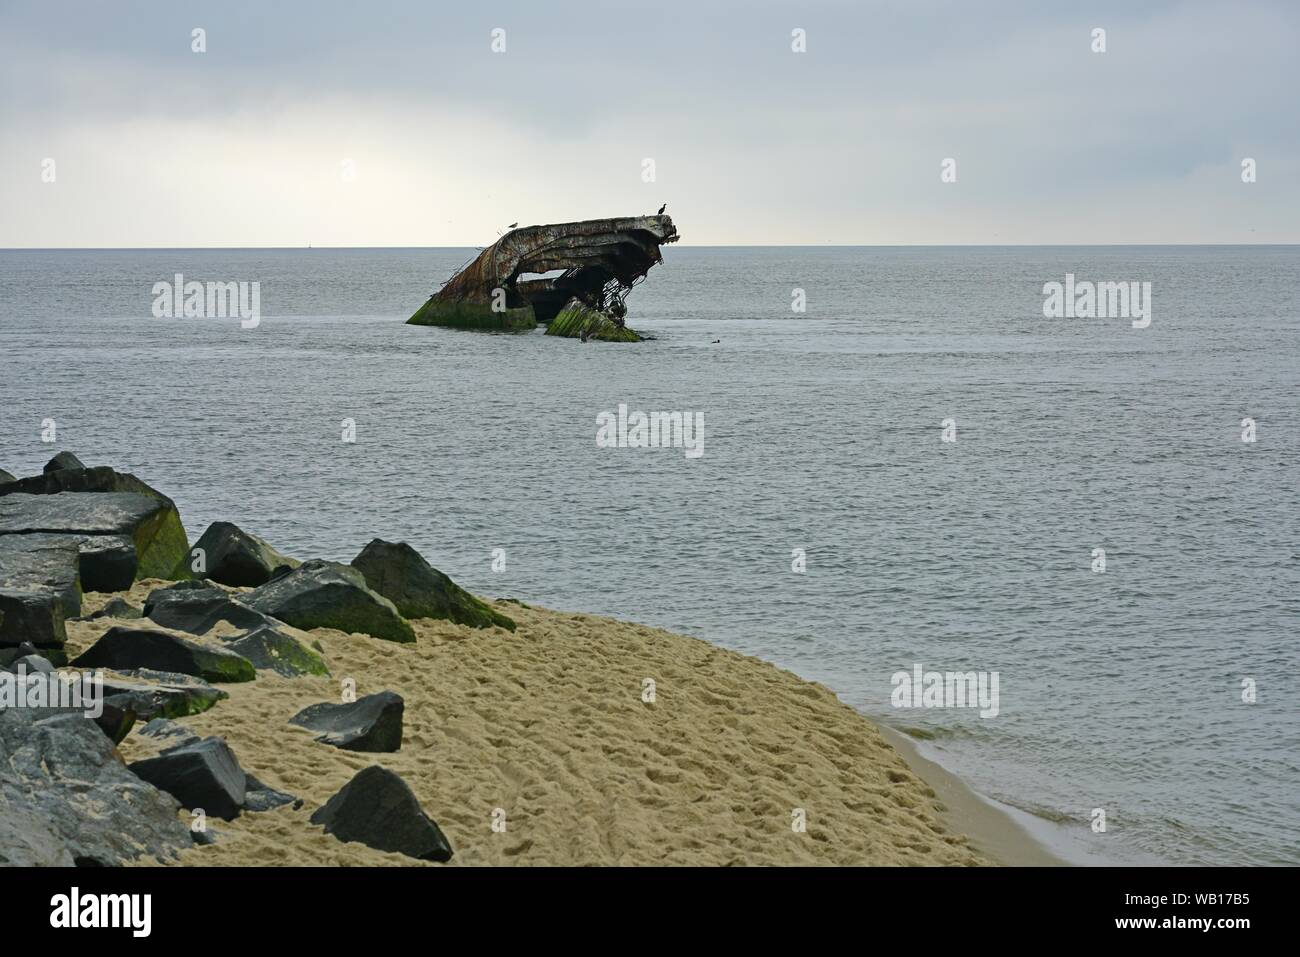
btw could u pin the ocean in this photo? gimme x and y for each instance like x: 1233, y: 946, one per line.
x: 827, y: 526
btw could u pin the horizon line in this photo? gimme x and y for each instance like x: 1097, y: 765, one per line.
x: 678, y: 245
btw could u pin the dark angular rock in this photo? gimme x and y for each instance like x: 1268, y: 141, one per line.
x: 200, y: 774
x: 98, y: 479
x: 372, y: 723
x: 198, y: 610
x: 65, y: 774
x: 112, y: 529
x: 32, y: 615
x: 377, y: 808
x: 166, y: 728
x: 32, y: 664
x: 116, y: 607
x: 152, y: 694
x: 125, y: 646
x: 320, y: 594
x: 45, y: 562
x: 262, y: 797
x: 418, y: 590
x: 64, y: 460
x: 271, y: 649
x: 116, y: 719
x: 234, y: 557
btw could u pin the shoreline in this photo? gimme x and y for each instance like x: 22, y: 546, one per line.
x: 548, y: 725
x: 998, y: 830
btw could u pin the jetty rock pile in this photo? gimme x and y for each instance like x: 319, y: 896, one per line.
x: 572, y: 277
x: 194, y: 622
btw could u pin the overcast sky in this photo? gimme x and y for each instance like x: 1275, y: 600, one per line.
x: 249, y: 143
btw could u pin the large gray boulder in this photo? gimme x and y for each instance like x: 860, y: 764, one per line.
x: 377, y: 808
x: 320, y: 594
x: 234, y: 557
x: 129, y: 646
x: 418, y: 590
x: 270, y: 649
x: 40, y: 588
x: 119, y: 536
x: 202, y: 775
x: 372, y: 723
x: 61, y: 773
x: 198, y: 610
x: 152, y: 695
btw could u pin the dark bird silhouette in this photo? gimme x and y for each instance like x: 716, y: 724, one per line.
x: 715, y: 342
x: 512, y: 226
x: 661, y: 209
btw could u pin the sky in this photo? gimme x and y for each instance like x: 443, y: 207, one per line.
x: 398, y: 124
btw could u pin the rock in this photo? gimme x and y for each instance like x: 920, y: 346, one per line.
x: 116, y: 719
x: 8, y: 655
x: 120, y: 536
x: 7, y: 477
x: 127, y: 646
x: 152, y: 694
x: 577, y: 318
x: 198, y: 610
x: 377, y: 808
x: 98, y: 479
x: 64, y: 460
x: 200, y: 774
x: 65, y: 774
x: 40, y: 588
x: 372, y: 723
x: 418, y: 590
x: 32, y: 664
x: 234, y: 557
x: 319, y: 594
x: 271, y: 649
x: 166, y: 728
x: 32, y: 615
x: 27, y: 841
x: 261, y: 797
x: 116, y: 607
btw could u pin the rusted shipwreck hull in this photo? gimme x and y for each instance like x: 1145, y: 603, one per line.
x: 601, y: 259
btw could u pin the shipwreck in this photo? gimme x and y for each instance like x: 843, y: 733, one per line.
x: 573, y: 278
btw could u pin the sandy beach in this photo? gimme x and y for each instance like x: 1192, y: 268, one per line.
x: 546, y: 728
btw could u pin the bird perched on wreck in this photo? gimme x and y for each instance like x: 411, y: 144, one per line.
x: 661, y: 209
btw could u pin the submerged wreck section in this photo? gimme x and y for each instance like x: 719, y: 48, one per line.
x: 595, y: 263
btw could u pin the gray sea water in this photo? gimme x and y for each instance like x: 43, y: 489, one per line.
x: 1119, y: 690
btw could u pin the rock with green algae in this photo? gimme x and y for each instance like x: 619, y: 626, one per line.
x: 473, y: 315
x: 400, y: 573
x: 577, y: 317
x: 321, y: 594
x: 272, y: 650
x: 238, y: 558
x: 125, y: 646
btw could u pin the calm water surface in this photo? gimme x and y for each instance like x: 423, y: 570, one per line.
x: 1119, y: 690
